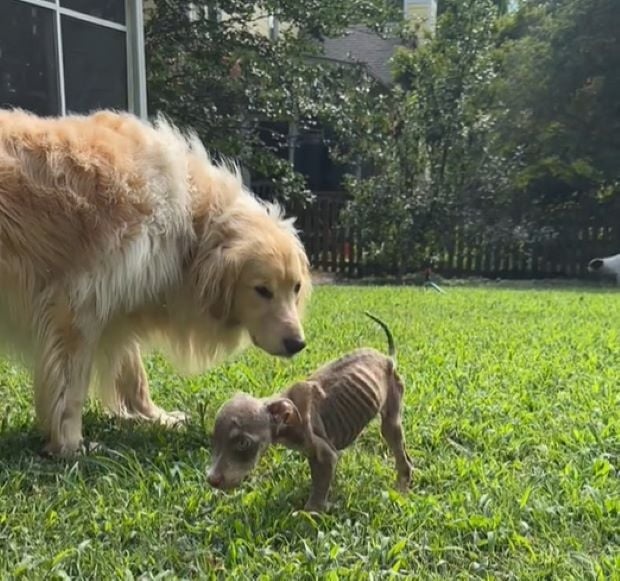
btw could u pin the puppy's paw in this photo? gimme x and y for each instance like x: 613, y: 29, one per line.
x: 316, y: 507
x: 403, y: 483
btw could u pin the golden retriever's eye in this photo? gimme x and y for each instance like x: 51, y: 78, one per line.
x: 297, y: 288
x: 264, y: 292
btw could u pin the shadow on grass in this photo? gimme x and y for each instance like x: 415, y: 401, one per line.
x: 124, y: 441
x: 136, y: 458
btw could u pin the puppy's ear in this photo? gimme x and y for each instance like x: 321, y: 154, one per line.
x: 283, y: 412
x: 215, y: 274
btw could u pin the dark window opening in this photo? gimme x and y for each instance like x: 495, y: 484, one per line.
x: 29, y: 68
x: 95, y: 66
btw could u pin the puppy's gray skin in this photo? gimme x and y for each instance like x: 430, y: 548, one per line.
x: 319, y: 417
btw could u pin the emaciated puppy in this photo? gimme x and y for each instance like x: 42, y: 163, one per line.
x: 319, y: 417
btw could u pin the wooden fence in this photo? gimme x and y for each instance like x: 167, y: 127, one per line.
x: 332, y: 247
x: 566, y: 254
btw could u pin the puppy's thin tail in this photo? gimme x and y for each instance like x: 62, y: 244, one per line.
x: 390, y: 338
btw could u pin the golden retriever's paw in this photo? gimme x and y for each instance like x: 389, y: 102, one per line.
x: 66, y: 451
x: 173, y: 419
x: 93, y: 448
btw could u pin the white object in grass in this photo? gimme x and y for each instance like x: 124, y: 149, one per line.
x: 609, y: 265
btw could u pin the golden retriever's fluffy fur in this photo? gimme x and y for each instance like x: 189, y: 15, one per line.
x: 114, y: 232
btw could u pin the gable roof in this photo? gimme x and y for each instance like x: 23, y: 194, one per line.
x: 360, y: 45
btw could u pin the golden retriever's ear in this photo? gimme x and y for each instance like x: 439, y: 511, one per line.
x: 215, y: 275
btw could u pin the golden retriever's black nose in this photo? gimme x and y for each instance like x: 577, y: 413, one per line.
x: 595, y: 264
x: 293, y: 346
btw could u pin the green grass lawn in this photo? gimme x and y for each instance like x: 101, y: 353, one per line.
x: 512, y: 418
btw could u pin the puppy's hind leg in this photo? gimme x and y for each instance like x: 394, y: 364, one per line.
x: 392, y: 432
x: 131, y: 397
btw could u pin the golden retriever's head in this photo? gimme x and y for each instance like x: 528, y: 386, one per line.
x: 256, y: 275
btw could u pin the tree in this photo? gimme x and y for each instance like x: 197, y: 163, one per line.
x: 211, y: 67
x: 506, y: 124
x: 437, y: 166
x: 558, y: 107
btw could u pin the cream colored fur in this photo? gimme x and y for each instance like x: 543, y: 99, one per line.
x: 116, y: 233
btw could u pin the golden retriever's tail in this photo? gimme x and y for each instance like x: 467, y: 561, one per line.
x: 390, y: 338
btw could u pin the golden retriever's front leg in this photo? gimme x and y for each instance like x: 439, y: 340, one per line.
x: 132, y: 391
x: 61, y: 379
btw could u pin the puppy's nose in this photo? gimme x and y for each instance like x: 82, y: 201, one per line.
x: 215, y: 480
x: 595, y: 264
x: 293, y: 346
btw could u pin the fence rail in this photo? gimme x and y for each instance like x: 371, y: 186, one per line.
x: 333, y: 247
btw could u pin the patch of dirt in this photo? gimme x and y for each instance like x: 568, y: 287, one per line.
x: 319, y: 278
x: 326, y: 278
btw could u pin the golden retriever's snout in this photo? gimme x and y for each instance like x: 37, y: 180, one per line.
x: 293, y: 346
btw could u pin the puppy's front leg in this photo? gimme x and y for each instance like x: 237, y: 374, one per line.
x: 318, y: 446
x: 322, y: 473
x: 314, y: 441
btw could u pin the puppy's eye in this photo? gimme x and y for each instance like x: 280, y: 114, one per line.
x: 264, y: 292
x: 243, y: 444
x: 297, y: 288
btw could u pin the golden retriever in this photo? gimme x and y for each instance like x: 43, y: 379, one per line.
x: 115, y: 233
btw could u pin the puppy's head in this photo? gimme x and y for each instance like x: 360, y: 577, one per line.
x: 244, y: 428
x: 257, y: 276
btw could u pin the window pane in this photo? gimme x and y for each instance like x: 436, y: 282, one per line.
x: 28, y: 64
x: 107, y: 9
x: 95, y: 63
x: 313, y: 161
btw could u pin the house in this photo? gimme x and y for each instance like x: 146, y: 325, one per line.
x: 62, y: 56
x: 308, y: 150
x: 358, y: 46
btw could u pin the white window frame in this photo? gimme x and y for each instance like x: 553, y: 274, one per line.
x: 274, y: 27
x: 134, y: 41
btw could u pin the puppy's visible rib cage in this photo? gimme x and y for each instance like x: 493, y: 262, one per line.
x: 348, y: 393
x: 355, y: 392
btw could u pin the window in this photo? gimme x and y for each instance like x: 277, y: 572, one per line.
x: 62, y: 56
x: 95, y: 66
x: 28, y: 62
x: 314, y: 162
x: 113, y: 10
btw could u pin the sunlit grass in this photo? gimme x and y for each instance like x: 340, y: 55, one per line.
x: 512, y: 418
